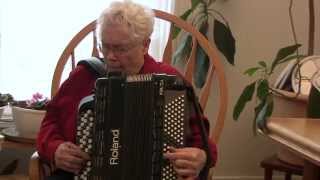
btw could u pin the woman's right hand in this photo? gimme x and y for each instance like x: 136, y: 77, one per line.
x: 70, y: 157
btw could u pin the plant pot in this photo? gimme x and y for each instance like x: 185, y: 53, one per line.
x: 27, y: 121
x: 314, y: 99
x: 290, y: 105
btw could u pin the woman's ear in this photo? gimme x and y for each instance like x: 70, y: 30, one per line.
x: 146, y: 44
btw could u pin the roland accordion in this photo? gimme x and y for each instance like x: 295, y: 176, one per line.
x: 127, y: 125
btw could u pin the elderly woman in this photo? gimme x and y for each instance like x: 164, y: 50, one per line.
x: 124, y: 31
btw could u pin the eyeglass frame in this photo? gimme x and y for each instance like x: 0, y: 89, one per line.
x: 118, y: 50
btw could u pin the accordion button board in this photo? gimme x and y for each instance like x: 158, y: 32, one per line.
x: 127, y: 125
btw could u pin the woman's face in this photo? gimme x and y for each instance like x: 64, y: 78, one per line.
x: 120, y: 51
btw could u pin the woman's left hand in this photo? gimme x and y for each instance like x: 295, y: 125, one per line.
x: 187, y: 162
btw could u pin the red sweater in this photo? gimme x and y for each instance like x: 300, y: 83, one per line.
x: 59, y: 123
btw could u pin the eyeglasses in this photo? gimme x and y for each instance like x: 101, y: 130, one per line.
x: 118, y: 49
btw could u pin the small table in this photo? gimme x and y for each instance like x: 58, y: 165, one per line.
x: 301, y: 135
x: 10, y: 139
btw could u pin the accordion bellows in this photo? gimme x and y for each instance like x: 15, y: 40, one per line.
x: 127, y: 125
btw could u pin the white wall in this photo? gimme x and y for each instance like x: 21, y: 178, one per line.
x: 35, y: 33
x: 260, y: 29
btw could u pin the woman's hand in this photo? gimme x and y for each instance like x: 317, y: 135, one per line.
x: 70, y: 157
x: 187, y: 162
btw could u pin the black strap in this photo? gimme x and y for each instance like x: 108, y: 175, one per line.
x: 96, y: 65
x: 204, y: 137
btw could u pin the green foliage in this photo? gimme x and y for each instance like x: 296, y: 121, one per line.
x: 224, y: 40
x: 245, y: 97
x: 201, y: 68
x: 284, y: 53
x: 183, y: 51
x: 202, y: 60
x: 201, y: 15
x: 261, y: 88
x: 5, y: 99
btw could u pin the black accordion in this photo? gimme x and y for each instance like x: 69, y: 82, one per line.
x: 127, y: 125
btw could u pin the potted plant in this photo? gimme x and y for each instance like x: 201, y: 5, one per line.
x: 29, y: 114
x: 5, y: 99
x: 262, y: 86
x: 266, y: 94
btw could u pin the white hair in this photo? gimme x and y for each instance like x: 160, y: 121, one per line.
x: 138, y: 18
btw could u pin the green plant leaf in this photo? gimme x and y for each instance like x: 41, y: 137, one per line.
x: 176, y: 30
x: 224, y: 40
x: 201, y: 67
x: 204, y: 27
x: 263, y: 112
x: 283, y: 53
x: 263, y: 89
x: 251, y: 71
x: 183, y: 50
x: 195, y: 3
x: 10, y: 168
x: 210, y: 2
x: 186, y: 14
x: 245, y: 97
x: 202, y: 60
x: 289, y: 58
x: 263, y: 64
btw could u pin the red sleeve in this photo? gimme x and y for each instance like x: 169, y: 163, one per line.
x: 58, y: 124
x: 195, y: 139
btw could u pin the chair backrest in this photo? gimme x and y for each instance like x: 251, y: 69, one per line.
x: 216, y: 67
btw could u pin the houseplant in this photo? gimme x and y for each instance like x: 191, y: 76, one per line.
x: 261, y: 85
x: 264, y: 91
x: 29, y: 114
x: 5, y: 99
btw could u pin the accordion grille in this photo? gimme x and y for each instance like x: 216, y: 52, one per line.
x: 127, y: 128
x: 173, y: 131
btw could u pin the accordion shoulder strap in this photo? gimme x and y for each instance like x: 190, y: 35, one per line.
x: 204, y: 137
x: 95, y: 65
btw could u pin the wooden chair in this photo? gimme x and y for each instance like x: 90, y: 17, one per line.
x: 273, y: 163
x: 216, y: 68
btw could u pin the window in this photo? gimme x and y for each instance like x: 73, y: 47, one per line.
x: 34, y: 33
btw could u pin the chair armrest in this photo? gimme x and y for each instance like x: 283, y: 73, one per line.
x: 38, y: 169
x: 210, y: 174
x: 34, y: 167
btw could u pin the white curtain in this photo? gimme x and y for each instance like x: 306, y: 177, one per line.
x: 34, y: 33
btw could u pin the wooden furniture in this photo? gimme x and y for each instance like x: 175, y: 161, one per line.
x: 273, y: 163
x: 300, y: 135
x: 282, y: 161
x: 16, y: 143
x: 215, y: 72
x: 12, y: 140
